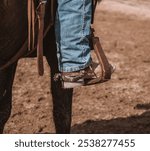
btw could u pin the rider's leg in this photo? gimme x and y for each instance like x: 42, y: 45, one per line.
x: 72, y: 28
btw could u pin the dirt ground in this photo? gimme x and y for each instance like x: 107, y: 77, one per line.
x: 119, y: 106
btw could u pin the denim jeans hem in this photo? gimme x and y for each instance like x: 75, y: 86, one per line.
x: 73, y: 69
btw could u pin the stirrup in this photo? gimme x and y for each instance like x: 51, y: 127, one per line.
x: 106, y: 68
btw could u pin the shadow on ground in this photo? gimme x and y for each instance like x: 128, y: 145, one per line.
x: 139, y: 124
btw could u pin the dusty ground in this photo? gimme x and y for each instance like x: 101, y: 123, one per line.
x: 119, y: 106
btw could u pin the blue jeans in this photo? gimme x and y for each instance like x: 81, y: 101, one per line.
x: 72, y: 29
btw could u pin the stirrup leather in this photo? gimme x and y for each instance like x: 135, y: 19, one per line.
x: 106, y: 68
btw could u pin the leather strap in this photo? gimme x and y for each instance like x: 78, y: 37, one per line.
x: 94, y: 4
x: 31, y: 24
x: 40, y: 15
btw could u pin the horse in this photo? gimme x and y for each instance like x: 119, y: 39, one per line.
x: 13, y: 35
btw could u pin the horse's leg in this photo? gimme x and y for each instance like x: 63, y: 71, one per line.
x: 62, y: 99
x: 6, y: 82
x: 62, y: 107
